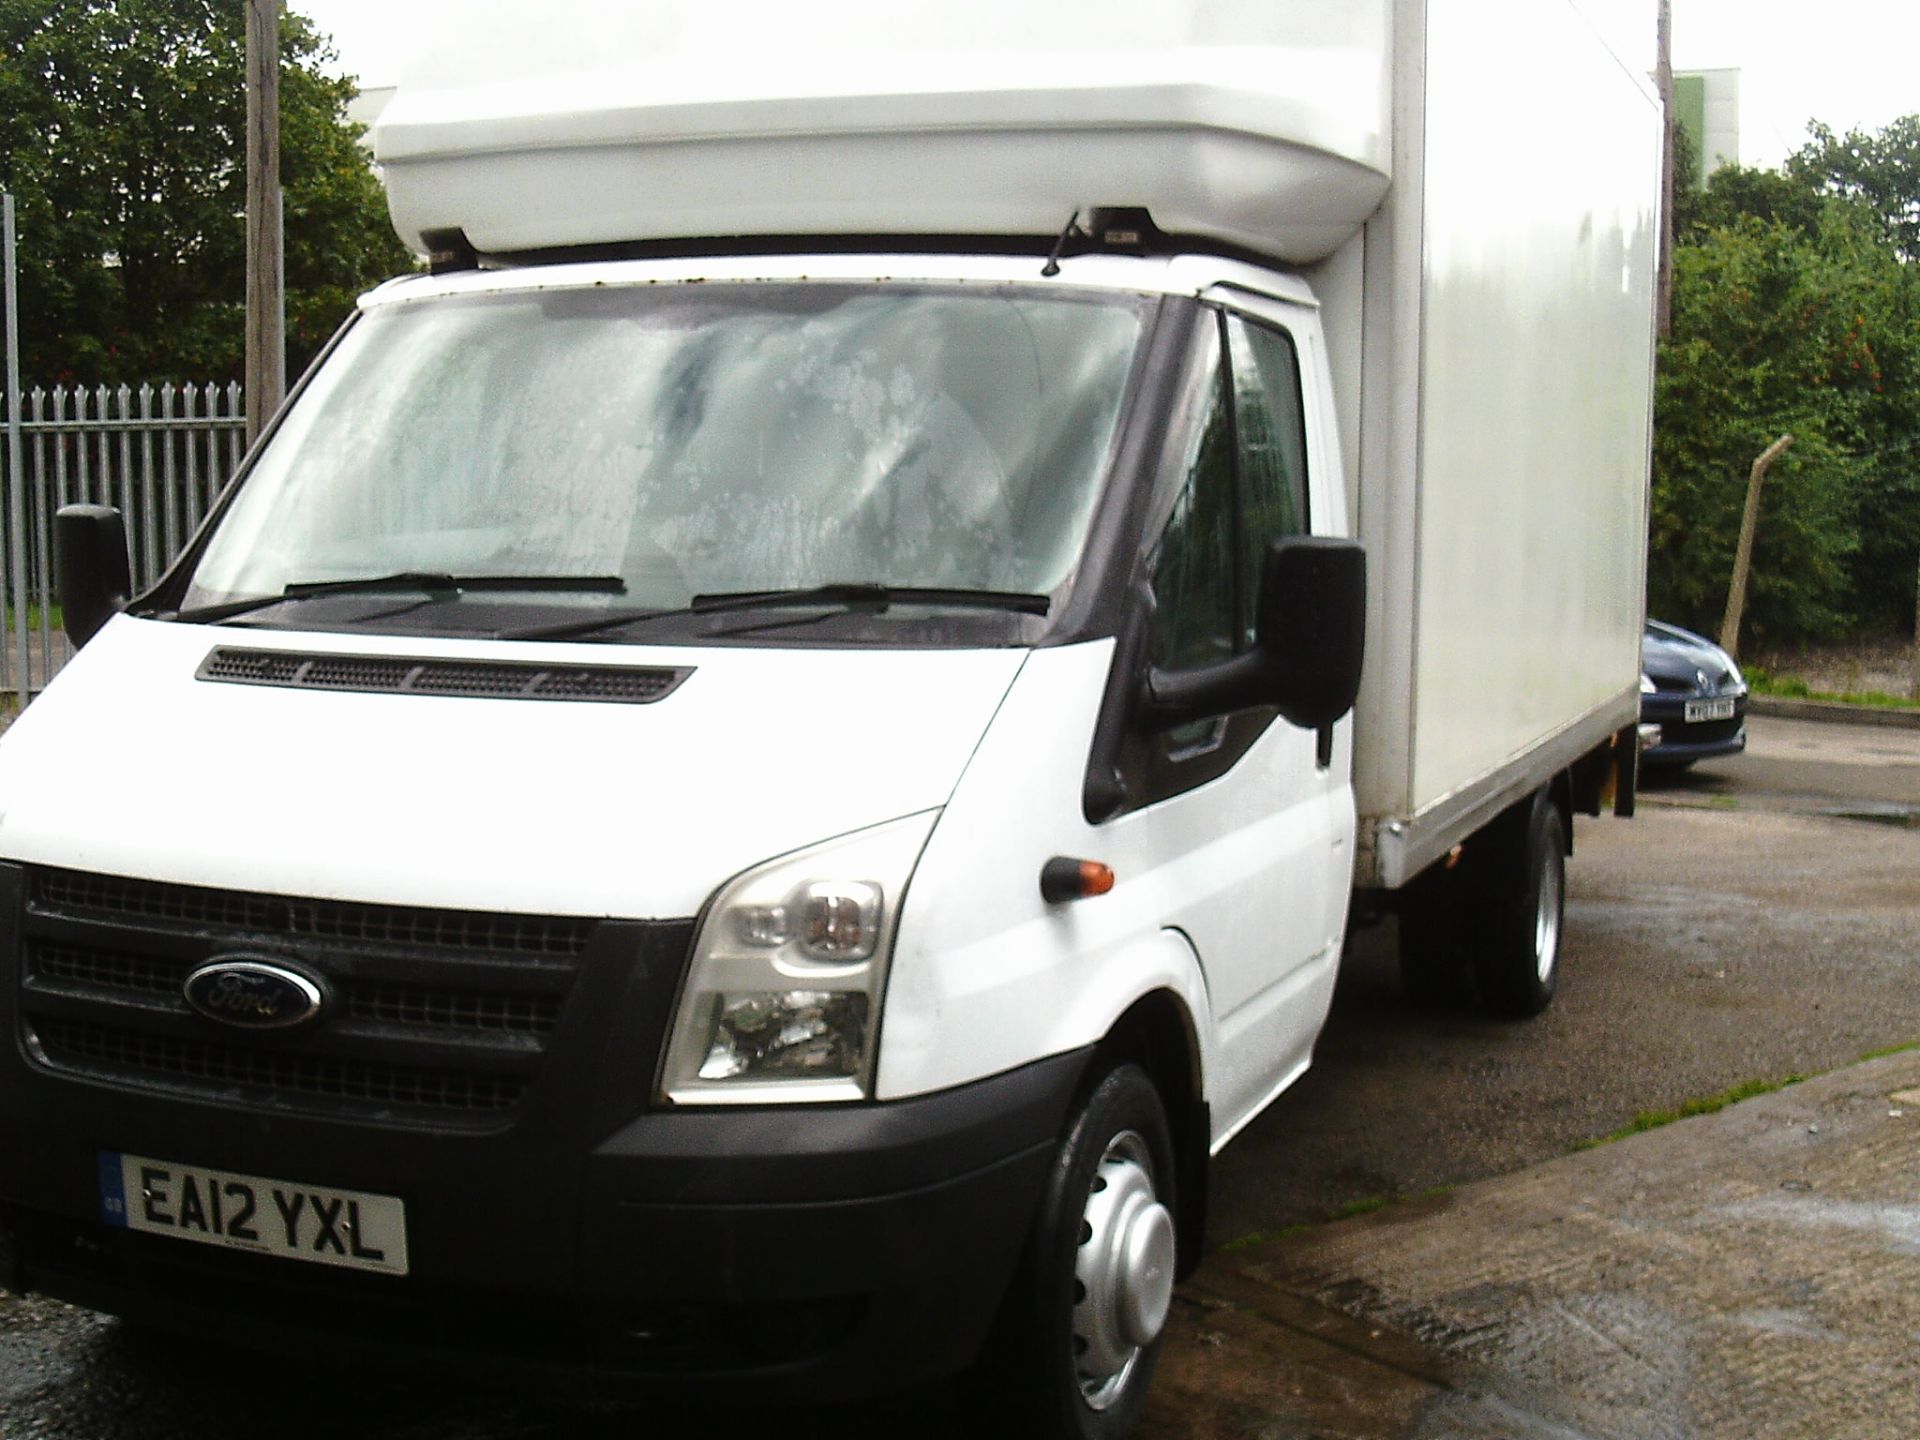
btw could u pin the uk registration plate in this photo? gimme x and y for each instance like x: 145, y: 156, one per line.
x: 1699, y: 710
x: 317, y: 1223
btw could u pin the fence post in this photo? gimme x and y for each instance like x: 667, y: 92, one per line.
x: 160, y: 465
x: 16, y: 489
x: 43, y: 506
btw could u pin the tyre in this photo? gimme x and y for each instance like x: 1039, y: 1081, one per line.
x: 1082, y: 1327
x: 1436, y: 912
x: 1523, y: 883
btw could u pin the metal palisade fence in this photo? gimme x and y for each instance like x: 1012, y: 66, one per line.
x: 160, y: 455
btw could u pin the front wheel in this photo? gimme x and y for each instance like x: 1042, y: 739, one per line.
x: 1082, y: 1327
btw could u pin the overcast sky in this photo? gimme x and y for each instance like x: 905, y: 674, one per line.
x: 1854, y: 64
x: 1850, y: 63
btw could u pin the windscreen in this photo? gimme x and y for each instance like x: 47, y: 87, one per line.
x: 694, y: 439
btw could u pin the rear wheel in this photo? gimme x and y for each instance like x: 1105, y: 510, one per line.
x: 1082, y: 1327
x: 1436, y: 914
x: 1491, y: 923
x: 1525, y: 881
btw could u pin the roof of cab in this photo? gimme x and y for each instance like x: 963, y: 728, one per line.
x: 1159, y: 275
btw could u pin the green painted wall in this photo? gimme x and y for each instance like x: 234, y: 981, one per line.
x: 1690, y: 115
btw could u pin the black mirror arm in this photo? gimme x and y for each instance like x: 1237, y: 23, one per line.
x: 1174, y: 697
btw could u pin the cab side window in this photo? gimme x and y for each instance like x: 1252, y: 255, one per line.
x: 1246, y: 486
x: 1242, y: 485
x: 1194, y: 618
x: 1272, y: 443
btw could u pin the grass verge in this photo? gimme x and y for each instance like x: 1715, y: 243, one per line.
x: 1706, y: 1105
x: 1791, y: 687
x: 1701, y: 1105
x: 1646, y: 1120
x: 1882, y: 1054
x: 51, y: 615
x: 1365, y: 1205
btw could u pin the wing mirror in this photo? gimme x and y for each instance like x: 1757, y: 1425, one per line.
x: 1309, y: 640
x: 90, y: 561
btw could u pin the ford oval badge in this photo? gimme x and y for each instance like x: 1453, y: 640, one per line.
x: 255, y: 992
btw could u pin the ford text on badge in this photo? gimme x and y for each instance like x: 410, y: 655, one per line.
x: 350, y: 1228
x: 255, y: 992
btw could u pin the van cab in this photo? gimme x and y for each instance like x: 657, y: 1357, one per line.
x: 718, y: 768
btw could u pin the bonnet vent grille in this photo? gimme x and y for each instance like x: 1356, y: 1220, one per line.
x: 398, y: 675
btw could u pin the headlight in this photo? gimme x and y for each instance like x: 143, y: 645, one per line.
x: 782, y: 996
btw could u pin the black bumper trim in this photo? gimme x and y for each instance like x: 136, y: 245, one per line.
x: 827, y: 1253
x: 720, y: 1155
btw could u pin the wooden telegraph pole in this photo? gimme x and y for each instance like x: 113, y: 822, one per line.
x: 1743, y: 551
x: 1663, y: 80
x: 266, y: 277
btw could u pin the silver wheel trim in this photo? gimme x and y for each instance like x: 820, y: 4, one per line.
x: 1546, y: 920
x: 1124, y: 1269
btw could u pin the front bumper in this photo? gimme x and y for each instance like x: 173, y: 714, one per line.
x: 828, y: 1251
x: 1682, y: 742
x: 834, y: 1253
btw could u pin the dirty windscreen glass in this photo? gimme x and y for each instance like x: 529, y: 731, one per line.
x: 694, y: 440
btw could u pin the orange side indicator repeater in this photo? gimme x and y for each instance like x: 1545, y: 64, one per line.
x: 1064, y: 878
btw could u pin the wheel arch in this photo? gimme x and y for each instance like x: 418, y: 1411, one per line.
x: 1158, y: 1033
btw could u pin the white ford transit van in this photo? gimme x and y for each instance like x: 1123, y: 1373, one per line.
x: 759, y: 769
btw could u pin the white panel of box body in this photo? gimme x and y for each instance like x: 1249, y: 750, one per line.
x: 1505, y: 309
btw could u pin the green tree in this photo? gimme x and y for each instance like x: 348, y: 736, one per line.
x: 1878, y: 174
x: 122, y: 133
x: 1754, y: 331
x: 1738, y: 193
x: 1796, y: 310
x: 1881, y: 170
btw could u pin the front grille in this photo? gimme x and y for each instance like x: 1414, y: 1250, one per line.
x: 113, y: 1053
x: 435, y: 1016
x: 110, y: 973
x: 96, y: 970
x: 403, y: 926
x: 479, y: 680
x: 451, y: 1010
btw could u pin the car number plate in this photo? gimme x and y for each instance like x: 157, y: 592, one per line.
x: 1699, y: 710
x: 318, y: 1223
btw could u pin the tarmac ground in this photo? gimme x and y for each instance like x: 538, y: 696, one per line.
x: 1749, y: 1273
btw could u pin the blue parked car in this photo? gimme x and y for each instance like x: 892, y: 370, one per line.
x: 1694, y: 692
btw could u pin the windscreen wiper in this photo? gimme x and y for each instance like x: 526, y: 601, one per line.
x: 845, y: 595
x: 427, y: 581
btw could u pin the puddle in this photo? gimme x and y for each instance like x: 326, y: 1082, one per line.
x: 1792, y: 1324
x: 1905, y: 816
x: 1897, y: 1224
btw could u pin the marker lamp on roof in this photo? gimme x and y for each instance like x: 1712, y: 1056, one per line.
x: 782, y: 997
